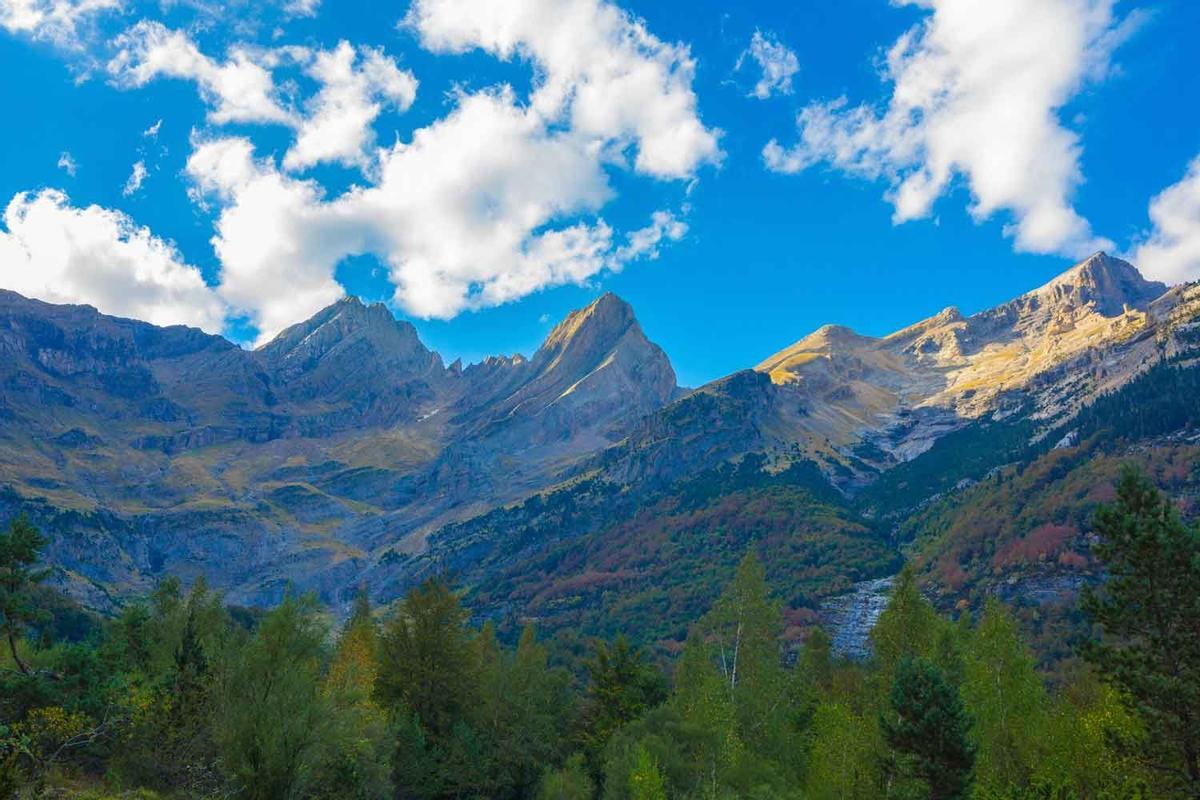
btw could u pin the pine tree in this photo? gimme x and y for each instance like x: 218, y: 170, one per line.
x: 621, y: 687
x: 1149, y: 611
x: 927, y: 731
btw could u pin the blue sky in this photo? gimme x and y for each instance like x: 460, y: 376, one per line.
x: 484, y: 215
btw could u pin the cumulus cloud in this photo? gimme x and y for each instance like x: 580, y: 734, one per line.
x: 463, y: 215
x: 778, y: 64
x: 277, y: 241
x: 355, y: 88
x: 499, y: 198
x: 152, y: 131
x: 66, y: 162
x: 60, y: 253
x: 598, y: 70
x: 61, y: 22
x: 977, y: 90
x: 137, y: 177
x: 240, y: 89
x: 336, y: 125
x: 495, y: 200
x: 1171, y: 251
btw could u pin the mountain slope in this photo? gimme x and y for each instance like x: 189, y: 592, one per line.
x: 862, y: 405
x: 344, y: 452
x: 172, y: 450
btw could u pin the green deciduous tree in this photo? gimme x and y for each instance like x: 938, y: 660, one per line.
x: 20, y: 547
x: 1007, y: 700
x: 352, y: 761
x: 844, y: 757
x: 571, y: 782
x: 645, y: 781
x: 271, y: 716
x: 428, y: 662
x: 909, y: 626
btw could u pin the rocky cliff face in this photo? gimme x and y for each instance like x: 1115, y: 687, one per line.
x: 329, y: 456
x: 1044, y: 353
x: 594, y: 361
x: 152, y: 449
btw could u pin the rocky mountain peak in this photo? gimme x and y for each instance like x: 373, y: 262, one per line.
x: 1107, y: 284
x: 595, y: 328
x: 349, y: 327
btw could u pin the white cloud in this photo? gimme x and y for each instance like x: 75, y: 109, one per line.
x: 60, y: 22
x: 977, y: 89
x: 152, y: 131
x: 136, y: 178
x: 497, y: 199
x: 778, y: 64
x: 66, y: 162
x: 301, y: 8
x: 463, y: 215
x: 646, y: 242
x: 60, y: 253
x: 599, y: 69
x: 277, y: 241
x: 356, y: 85
x: 355, y: 88
x: 240, y: 89
x: 1171, y: 252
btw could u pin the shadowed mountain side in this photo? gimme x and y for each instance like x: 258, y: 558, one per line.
x: 342, y: 434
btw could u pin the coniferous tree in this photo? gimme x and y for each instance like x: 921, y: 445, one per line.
x: 927, y: 730
x: 1149, y: 611
x: 622, y: 686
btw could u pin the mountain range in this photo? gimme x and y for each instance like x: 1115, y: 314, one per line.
x: 344, y: 452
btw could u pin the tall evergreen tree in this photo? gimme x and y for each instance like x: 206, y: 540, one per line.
x: 622, y: 686
x: 927, y: 729
x: 1149, y: 611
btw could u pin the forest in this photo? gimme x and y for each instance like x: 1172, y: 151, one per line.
x: 184, y: 696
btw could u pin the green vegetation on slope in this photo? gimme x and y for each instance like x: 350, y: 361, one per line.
x: 182, y: 697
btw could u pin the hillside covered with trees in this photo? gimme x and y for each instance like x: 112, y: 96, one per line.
x: 184, y: 696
